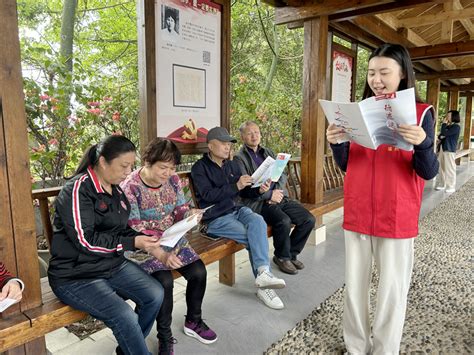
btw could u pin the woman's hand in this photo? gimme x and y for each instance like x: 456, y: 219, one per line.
x: 334, y: 133
x: 412, y: 134
x: 147, y: 243
x: 197, y: 211
x: 12, y: 289
x: 171, y: 260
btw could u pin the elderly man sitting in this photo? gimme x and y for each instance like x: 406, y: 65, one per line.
x: 278, y: 210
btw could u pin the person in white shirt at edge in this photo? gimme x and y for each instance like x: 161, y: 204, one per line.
x: 218, y: 181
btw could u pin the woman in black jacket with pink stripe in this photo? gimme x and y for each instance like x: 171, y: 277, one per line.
x: 87, y: 268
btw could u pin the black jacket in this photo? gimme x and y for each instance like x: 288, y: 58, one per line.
x: 90, y: 231
x: 449, y: 137
x: 248, y: 166
x: 215, y: 185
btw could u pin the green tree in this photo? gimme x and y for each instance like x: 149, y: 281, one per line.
x: 75, y: 53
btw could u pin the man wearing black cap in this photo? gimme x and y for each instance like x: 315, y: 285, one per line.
x: 219, y: 182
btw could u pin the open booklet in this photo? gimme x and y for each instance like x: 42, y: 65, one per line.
x: 7, y: 302
x: 374, y: 121
x: 270, y: 169
x: 173, y: 234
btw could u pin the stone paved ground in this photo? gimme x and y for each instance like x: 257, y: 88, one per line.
x: 439, y: 315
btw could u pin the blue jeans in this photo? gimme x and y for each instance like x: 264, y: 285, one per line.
x: 104, y: 299
x: 245, y: 227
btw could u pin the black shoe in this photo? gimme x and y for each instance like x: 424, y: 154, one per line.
x: 298, y: 264
x: 285, y: 265
x: 166, y: 346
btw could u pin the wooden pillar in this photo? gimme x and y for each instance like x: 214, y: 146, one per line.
x: 146, y: 70
x: 17, y: 225
x: 432, y: 97
x: 467, y: 123
x: 313, y: 120
x: 454, y: 100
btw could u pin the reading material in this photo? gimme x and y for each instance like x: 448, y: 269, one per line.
x: 173, y: 234
x: 270, y: 169
x: 7, y: 302
x: 374, y: 121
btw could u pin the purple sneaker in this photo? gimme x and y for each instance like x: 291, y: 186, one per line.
x: 166, y: 346
x: 200, y: 331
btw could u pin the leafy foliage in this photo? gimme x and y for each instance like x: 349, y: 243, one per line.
x: 67, y: 111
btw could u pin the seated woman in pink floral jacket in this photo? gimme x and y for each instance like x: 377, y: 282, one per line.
x: 157, y: 202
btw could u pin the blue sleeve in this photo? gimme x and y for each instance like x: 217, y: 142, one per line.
x: 208, y: 192
x: 340, y: 153
x: 425, y: 162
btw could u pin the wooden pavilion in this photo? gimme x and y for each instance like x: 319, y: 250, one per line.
x: 439, y: 35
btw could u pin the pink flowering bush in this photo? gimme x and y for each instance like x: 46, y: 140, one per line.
x: 60, y: 132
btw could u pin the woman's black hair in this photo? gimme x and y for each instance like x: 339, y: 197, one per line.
x: 455, y: 116
x: 400, y: 54
x: 160, y: 149
x: 110, y: 148
x: 170, y: 12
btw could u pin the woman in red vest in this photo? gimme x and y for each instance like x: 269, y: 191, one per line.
x: 382, y: 199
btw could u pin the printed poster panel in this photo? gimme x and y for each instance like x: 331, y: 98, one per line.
x: 188, y: 57
x: 341, y: 87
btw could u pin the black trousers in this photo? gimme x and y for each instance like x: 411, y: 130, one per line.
x: 280, y: 217
x: 196, y: 276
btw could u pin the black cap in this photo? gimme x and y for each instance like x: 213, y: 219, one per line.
x: 221, y: 134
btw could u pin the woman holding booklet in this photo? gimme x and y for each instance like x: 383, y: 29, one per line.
x: 157, y: 202
x: 382, y: 198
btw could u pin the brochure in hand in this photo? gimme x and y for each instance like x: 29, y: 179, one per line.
x: 173, y: 234
x: 7, y: 302
x: 270, y: 169
x: 374, y: 121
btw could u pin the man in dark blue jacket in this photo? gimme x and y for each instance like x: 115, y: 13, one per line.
x: 219, y: 182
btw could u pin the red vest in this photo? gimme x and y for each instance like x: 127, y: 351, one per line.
x: 382, y: 192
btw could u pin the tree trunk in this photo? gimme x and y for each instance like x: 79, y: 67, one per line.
x: 67, y: 33
x: 273, y: 67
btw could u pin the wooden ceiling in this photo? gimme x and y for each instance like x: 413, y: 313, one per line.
x: 439, y: 34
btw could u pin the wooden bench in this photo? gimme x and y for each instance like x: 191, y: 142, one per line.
x: 461, y: 153
x: 53, y: 314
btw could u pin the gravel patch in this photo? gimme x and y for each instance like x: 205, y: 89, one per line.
x: 439, y: 314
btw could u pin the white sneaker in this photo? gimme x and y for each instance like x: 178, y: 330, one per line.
x: 266, y: 280
x: 451, y: 189
x: 439, y: 188
x: 270, y: 298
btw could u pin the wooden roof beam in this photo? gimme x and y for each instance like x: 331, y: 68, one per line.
x: 417, y: 41
x: 467, y: 23
x: 447, y: 74
x: 432, y: 19
x: 446, y: 24
x: 443, y: 50
x: 340, y: 9
x: 378, y: 9
x: 460, y: 88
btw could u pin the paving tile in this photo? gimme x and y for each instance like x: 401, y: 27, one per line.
x: 60, y: 339
x: 104, y: 346
x: 101, y: 334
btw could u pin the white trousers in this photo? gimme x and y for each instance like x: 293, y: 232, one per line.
x: 394, y: 263
x: 447, y: 170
